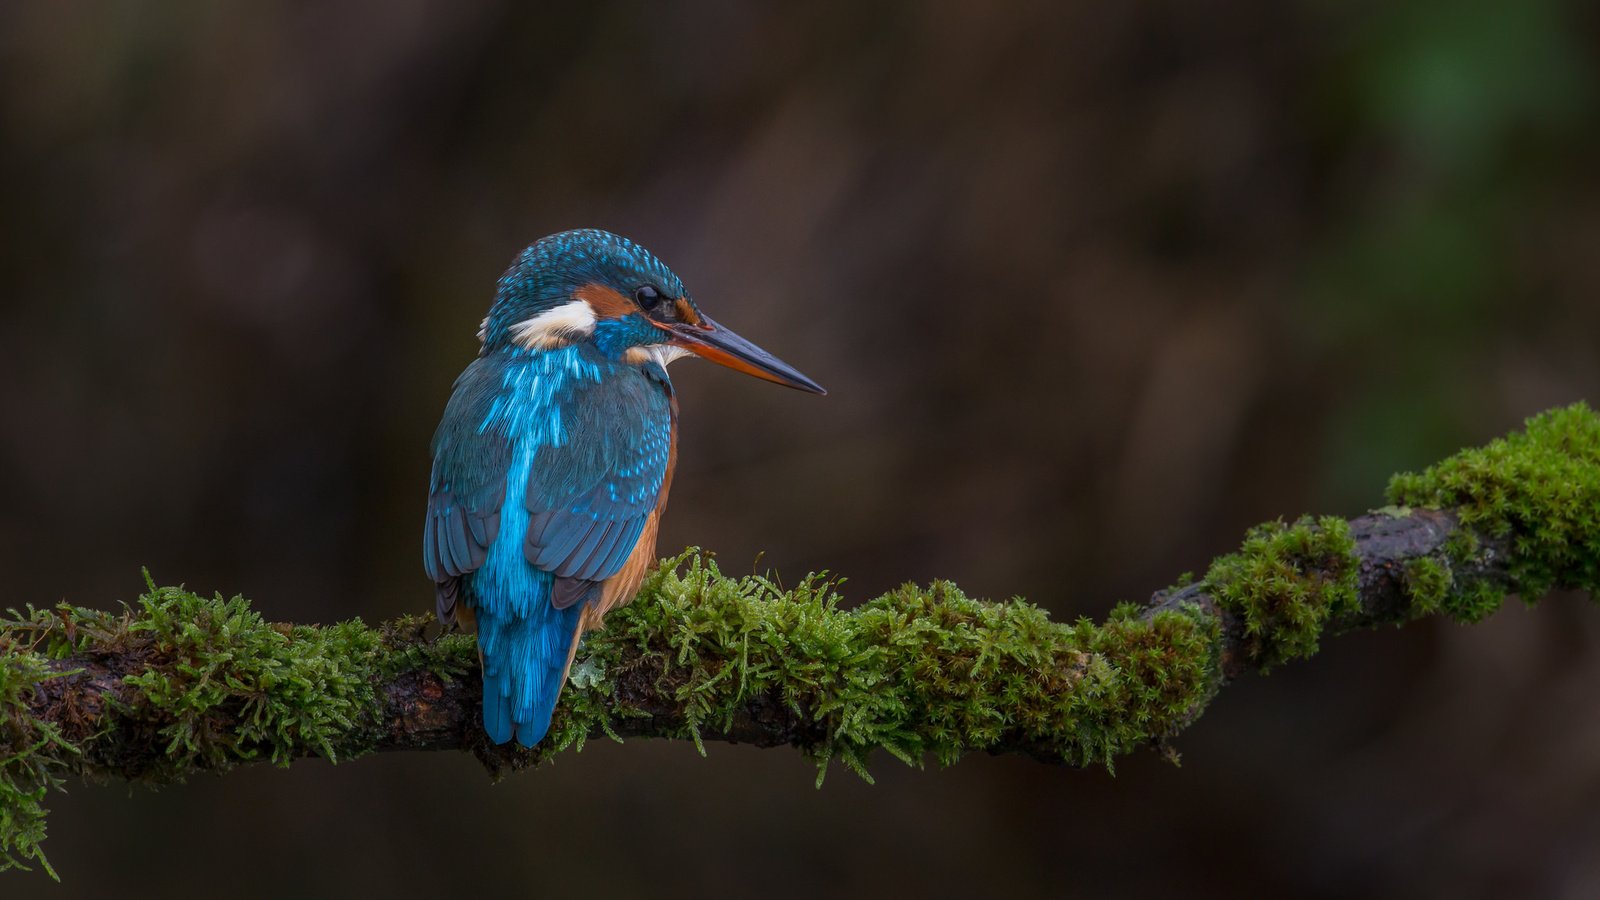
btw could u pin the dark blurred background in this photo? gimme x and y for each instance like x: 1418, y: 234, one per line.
x: 1094, y: 286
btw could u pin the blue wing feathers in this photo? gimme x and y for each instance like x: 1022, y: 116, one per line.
x: 577, y: 563
x: 455, y: 528
x: 547, y: 467
x: 429, y: 554
x: 561, y: 541
x: 604, y: 555
x: 569, y: 591
x: 484, y: 529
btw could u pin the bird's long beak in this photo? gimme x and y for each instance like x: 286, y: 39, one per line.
x: 721, y: 346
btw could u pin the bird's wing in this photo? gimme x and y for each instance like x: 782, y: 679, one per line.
x: 590, y: 497
x: 467, y: 487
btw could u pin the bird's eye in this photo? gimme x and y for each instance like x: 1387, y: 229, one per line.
x: 648, y: 297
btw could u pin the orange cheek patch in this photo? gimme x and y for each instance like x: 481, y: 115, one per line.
x: 606, y: 302
x: 686, y: 311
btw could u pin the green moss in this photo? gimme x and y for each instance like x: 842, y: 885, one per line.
x: 1433, y: 588
x: 919, y: 672
x: 410, y: 643
x: 1428, y: 583
x: 1463, y: 548
x: 284, y: 691
x: 1476, y: 601
x: 221, y: 686
x: 32, y: 762
x: 1164, y: 667
x: 922, y: 672
x: 1536, y: 491
x: 1285, y: 583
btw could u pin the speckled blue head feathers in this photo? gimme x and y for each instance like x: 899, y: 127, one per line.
x: 553, y: 271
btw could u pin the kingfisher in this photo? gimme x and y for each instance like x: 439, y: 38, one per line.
x: 552, y: 463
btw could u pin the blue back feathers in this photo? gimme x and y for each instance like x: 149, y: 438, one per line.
x: 547, y: 466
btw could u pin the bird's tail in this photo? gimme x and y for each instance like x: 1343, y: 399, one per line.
x: 524, y: 664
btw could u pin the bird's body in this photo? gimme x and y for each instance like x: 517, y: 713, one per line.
x: 554, y: 458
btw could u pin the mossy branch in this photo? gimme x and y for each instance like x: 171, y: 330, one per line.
x: 179, y: 683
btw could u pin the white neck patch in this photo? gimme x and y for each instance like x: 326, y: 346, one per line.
x: 555, y: 326
x: 661, y: 354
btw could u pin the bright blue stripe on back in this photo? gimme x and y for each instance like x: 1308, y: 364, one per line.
x: 524, y: 639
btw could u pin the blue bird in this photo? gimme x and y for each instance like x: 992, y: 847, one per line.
x: 553, y: 460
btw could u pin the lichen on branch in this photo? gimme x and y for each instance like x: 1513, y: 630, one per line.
x: 179, y: 683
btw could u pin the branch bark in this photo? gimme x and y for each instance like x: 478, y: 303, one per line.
x: 183, y: 684
x: 422, y: 709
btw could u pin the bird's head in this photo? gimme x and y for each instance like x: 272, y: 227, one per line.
x: 591, y: 285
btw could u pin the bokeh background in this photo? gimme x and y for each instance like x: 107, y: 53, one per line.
x: 1094, y: 286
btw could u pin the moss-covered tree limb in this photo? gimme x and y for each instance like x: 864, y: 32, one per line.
x: 179, y: 683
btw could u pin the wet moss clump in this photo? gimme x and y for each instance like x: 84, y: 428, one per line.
x: 217, y: 686
x: 1428, y: 582
x: 32, y: 754
x: 1285, y: 583
x: 1433, y: 587
x: 1536, y: 492
x: 229, y: 687
x: 920, y: 672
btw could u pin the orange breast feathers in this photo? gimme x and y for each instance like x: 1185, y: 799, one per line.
x: 619, y: 589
